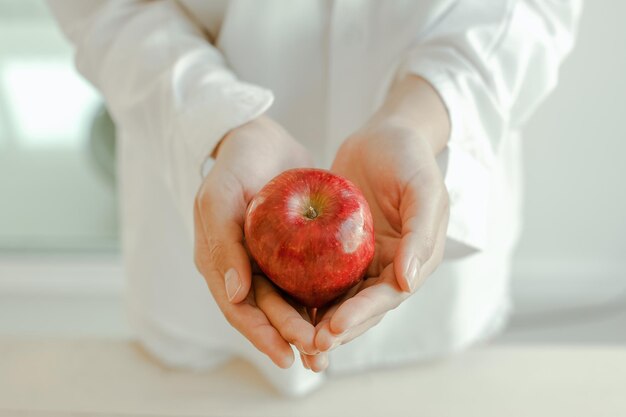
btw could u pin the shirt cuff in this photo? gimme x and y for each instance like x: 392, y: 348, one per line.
x: 469, y: 185
x: 201, y: 127
x: 230, y: 105
x: 466, y: 163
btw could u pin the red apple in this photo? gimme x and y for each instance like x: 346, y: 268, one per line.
x: 311, y: 233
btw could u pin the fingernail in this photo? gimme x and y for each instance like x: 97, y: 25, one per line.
x: 336, y: 343
x: 232, y: 282
x: 304, y: 362
x: 324, y: 363
x: 302, y: 350
x: 412, y: 273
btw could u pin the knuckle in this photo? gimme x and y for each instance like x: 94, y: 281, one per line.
x: 215, y: 249
x: 368, y: 299
x: 428, y: 247
x: 376, y: 321
x: 231, y: 317
x: 395, y: 302
x: 427, y: 178
x: 289, y: 324
x: 429, y: 244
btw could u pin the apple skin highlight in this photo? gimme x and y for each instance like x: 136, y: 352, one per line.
x: 311, y: 233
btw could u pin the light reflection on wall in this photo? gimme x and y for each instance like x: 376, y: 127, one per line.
x: 47, y: 103
x: 4, y: 140
x: 53, y: 196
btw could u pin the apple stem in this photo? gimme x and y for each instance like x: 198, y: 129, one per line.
x: 312, y: 312
x: 310, y: 213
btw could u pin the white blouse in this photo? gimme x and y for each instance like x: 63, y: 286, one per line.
x: 176, y: 76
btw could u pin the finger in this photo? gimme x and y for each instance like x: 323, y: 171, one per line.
x: 219, y: 245
x: 326, y: 340
x: 325, y: 313
x: 377, y: 297
x: 323, y: 325
x: 254, y: 326
x: 284, y: 317
x: 374, y: 299
x: 431, y: 265
x: 304, y: 361
x: 317, y: 363
x: 423, y: 208
x: 250, y: 321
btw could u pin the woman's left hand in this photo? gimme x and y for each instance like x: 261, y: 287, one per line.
x: 397, y: 172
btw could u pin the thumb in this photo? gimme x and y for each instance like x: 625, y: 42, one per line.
x: 220, y: 253
x: 424, y: 213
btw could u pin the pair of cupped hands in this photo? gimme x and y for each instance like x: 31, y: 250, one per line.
x: 392, y: 160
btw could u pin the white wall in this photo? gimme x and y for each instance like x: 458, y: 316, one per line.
x: 570, y: 267
x: 575, y: 155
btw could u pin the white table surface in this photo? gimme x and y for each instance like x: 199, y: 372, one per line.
x: 50, y: 378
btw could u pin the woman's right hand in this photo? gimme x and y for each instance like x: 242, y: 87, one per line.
x: 246, y: 159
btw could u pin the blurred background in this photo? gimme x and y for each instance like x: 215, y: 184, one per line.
x: 60, y: 265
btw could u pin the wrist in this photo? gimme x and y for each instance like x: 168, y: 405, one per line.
x: 414, y: 104
x: 261, y: 141
x: 258, y: 129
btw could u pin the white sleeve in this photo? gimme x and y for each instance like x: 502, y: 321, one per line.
x: 492, y: 62
x: 162, y: 80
